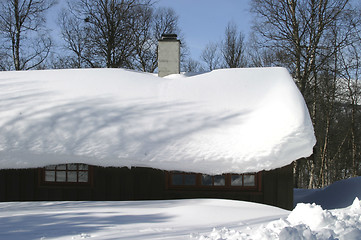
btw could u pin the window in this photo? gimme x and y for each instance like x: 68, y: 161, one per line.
x: 218, y: 180
x: 243, y: 180
x: 180, y: 178
x: 67, y: 173
x: 249, y: 181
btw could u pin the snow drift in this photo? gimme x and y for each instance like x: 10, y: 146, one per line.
x: 305, y: 222
x: 234, y: 120
x: 308, y: 220
x: 329, y: 197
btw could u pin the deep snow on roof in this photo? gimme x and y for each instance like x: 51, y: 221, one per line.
x: 230, y: 120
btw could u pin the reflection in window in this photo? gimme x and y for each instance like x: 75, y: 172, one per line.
x: 179, y: 179
x: 236, y: 180
x: 72, y: 176
x: 60, y: 176
x: 67, y: 173
x: 190, y: 179
x: 207, y: 180
x: 50, y: 176
x: 243, y: 180
x: 182, y: 179
x: 218, y: 180
x: 249, y: 180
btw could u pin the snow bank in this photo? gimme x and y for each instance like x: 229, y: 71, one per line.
x: 306, y: 221
x: 234, y: 120
x: 329, y: 197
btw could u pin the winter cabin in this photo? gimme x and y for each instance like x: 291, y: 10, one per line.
x: 116, y: 134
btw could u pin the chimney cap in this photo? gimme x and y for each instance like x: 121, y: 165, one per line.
x: 169, y: 36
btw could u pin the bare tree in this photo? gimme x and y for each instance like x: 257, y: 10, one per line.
x: 144, y: 43
x: 192, y: 66
x: 102, y: 31
x: 350, y: 74
x: 165, y: 21
x: 76, y: 36
x: 228, y: 53
x: 308, y: 37
x: 116, y: 33
x: 149, y: 26
x: 232, y: 47
x: 211, y: 55
x: 298, y: 27
x: 5, y: 59
x: 23, y: 31
x: 261, y: 56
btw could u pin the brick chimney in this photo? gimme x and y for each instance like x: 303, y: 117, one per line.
x: 168, y: 55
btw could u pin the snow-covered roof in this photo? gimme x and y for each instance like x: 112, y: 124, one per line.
x: 230, y: 120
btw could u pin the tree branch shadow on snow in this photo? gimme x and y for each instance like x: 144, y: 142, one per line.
x: 100, y: 126
x: 53, y: 225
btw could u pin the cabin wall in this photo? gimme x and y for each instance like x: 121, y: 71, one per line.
x: 115, y: 184
x: 107, y: 184
x: 278, y: 187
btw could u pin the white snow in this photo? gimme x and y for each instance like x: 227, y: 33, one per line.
x: 177, y: 219
x: 307, y: 220
x: 325, y: 196
x: 182, y: 219
x: 234, y: 120
x: 172, y: 219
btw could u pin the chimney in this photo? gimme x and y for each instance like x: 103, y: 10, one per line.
x: 168, y: 55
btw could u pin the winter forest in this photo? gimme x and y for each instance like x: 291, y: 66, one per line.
x: 318, y: 41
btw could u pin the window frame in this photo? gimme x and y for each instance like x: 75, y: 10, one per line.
x: 227, y: 186
x: 44, y: 182
x: 213, y: 177
x: 184, y: 174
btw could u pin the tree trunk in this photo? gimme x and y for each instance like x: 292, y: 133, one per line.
x: 16, y: 40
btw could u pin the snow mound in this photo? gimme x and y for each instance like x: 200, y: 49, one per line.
x: 329, y: 197
x: 305, y: 222
x: 233, y: 120
x: 311, y: 215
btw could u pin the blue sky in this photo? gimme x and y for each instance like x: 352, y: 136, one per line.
x: 203, y: 21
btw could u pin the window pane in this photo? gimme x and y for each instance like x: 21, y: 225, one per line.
x: 50, y: 176
x: 189, y: 179
x: 72, y: 166
x: 83, y: 167
x: 177, y: 179
x: 60, y: 176
x: 72, y: 176
x: 52, y: 167
x: 83, y: 176
x: 249, y: 180
x: 61, y: 167
x: 219, y: 180
x: 236, y: 180
x: 206, y: 180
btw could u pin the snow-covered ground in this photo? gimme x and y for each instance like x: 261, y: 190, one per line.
x: 177, y: 219
x: 183, y: 219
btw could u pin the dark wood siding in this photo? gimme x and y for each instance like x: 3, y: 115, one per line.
x: 278, y: 187
x: 115, y: 184
x: 18, y: 184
